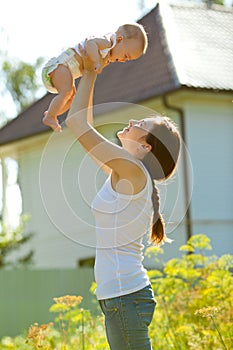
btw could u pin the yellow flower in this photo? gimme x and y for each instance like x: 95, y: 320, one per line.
x: 209, y: 311
x: 69, y: 300
x: 37, y: 332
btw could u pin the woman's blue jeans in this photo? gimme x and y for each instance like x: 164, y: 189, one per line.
x: 127, y: 319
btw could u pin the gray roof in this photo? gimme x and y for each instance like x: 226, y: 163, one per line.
x: 201, y: 44
x: 189, y: 46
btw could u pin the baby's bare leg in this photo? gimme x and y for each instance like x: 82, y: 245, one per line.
x: 67, y: 105
x: 64, y: 83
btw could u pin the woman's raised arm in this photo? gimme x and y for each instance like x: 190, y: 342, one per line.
x: 99, y: 148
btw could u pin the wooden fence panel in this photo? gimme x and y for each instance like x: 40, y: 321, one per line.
x: 26, y: 295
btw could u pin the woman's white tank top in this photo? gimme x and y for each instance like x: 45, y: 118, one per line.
x: 121, y: 222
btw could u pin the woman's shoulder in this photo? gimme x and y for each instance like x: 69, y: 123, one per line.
x: 132, y: 180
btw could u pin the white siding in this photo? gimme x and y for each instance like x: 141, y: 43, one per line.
x: 210, y: 142
x: 67, y: 181
x: 59, y: 181
x: 51, y: 242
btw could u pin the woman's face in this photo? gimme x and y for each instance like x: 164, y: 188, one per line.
x: 136, y: 130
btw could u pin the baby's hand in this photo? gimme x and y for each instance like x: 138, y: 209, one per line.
x: 98, y: 67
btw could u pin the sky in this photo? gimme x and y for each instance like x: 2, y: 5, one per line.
x: 30, y: 29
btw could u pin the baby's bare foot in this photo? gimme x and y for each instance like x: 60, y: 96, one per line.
x: 52, y: 122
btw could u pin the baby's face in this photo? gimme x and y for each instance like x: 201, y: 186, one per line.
x: 125, y: 50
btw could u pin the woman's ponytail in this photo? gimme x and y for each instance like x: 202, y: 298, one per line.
x: 157, y: 235
x: 161, y: 163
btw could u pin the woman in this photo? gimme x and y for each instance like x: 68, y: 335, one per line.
x: 125, y: 209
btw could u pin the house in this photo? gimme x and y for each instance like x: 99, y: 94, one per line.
x: 187, y: 74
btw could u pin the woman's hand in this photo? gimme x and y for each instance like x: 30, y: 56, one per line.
x: 88, y: 64
x: 98, y: 67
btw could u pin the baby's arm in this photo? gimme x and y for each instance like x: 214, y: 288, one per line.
x: 92, y: 47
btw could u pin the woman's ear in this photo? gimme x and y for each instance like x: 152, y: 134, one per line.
x: 147, y: 147
x: 143, y: 150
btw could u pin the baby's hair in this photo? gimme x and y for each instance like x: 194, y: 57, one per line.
x: 134, y: 31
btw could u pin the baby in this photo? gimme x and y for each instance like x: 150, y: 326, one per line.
x: 129, y: 42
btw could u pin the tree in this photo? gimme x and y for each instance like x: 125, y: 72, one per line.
x: 21, y: 81
x: 19, y: 86
x: 11, y: 240
x: 210, y: 2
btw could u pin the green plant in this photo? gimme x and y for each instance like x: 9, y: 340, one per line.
x: 186, y: 285
x: 11, y: 240
x: 211, y: 312
x: 74, y: 328
x: 70, y: 317
x: 186, y: 288
x: 21, y: 80
x: 38, y: 336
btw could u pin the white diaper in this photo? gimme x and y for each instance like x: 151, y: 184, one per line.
x: 66, y: 58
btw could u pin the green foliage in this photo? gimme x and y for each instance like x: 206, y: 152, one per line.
x: 194, y: 308
x: 21, y: 81
x: 74, y: 328
x: 11, y: 240
x: 217, y: 2
x: 185, y: 289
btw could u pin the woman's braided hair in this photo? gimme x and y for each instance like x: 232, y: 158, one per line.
x: 161, y: 163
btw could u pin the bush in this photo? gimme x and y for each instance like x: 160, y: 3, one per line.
x: 11, y: 239
x: 195, y: 297
x: 194, y: 308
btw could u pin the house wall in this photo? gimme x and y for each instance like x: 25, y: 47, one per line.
x: 57, y: 233
x: 59, y: 181
x: 210, y: 139
x: 209, y: 131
